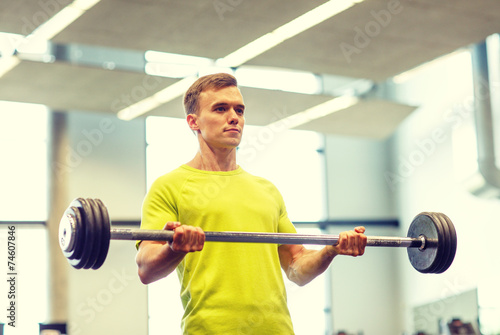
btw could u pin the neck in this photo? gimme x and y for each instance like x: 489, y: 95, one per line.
x: 209, y: 159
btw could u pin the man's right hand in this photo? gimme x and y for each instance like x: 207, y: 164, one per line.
x: 186, y: 238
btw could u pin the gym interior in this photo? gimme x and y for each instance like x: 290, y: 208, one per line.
x: 360, y: 112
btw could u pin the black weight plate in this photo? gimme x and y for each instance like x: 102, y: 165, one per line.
x: 451, y: 243
x: 78, y: 239
x: 89, y: 229
x: 96, y: 238
x: 443, y: 248
x: 105, y: 234
x: 423, y: 259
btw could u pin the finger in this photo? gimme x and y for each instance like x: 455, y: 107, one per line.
x: 354, y: 243
x: 360, y: 229
x: 201, y: 239
x: 188, y: 239
x: 342, y: 243
x: 363, y: 240
x: 171, y: 225
x: 192, y: 236
x: 179, y: 239
x: 347, y: 244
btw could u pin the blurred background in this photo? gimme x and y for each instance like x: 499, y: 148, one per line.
x: 359, y: 111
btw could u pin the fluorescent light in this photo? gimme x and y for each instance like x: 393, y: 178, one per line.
x: 47, y: 31
x: 84, y: 4
x: 316, y: 112
x: 9, y: 43
x: 258, y: 46
x: 213, y: 70
x: 171, y: 70
x: 170, y: 58
x: 136, y: 109
x: 33, y: 46
x: 456, y: 56
x: 7, y: 64
x: 173, y: 91
x: 62, y: 19
x: 278, y: 79
x: 168, y: 94
x: 179, y: 66
x: 57, y: 23
x: 314, y: 17
x: 286, y: 31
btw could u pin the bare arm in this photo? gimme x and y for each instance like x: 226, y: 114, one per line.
x: 157, y: 259
x: 302, y: 265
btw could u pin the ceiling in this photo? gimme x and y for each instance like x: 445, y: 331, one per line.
x: 373, y: 40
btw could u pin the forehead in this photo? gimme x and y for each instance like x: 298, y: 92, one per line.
x: 230, y: 95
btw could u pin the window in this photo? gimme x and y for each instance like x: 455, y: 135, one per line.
x: 292, y: 160
x: 31, y: 294
x: 23, y: 168
x: 23, y: 199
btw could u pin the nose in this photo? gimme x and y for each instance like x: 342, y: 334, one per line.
x: 233, y: 117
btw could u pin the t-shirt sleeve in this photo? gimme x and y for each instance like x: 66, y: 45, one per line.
x: 159, y: 206
x: 284, y: 224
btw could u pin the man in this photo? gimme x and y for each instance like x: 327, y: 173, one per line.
x: 226, y: 288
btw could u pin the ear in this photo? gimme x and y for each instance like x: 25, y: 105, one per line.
x: 192, y: 121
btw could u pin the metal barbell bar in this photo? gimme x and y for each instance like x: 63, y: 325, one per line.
x: 275, y: 238
x: 85, y: 232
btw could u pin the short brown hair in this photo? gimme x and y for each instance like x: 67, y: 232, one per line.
x: 209, y: 82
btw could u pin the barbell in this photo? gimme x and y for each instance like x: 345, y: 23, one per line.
x: 85, y: 232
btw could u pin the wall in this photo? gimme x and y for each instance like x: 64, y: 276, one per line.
x: 355, y: 176
x: 420, y: 168
x: 107, y: 161
x: 365, y: 289
x: 424, y: 174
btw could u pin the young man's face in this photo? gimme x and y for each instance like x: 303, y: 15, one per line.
x: 220, y: 118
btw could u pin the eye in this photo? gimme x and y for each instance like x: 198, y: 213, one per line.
x: 220, y: 109
x: 240, y: 111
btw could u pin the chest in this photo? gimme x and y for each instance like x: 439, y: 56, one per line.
x: 229, y: 203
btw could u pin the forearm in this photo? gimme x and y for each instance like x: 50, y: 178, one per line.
x: 309, y: 264
x: 156, y: 261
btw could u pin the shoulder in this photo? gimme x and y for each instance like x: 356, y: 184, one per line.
x: 261, y: 181
x: 172, y: 179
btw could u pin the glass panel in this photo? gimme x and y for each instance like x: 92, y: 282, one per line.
x: 294, y: 162
x: 23, y: 122
x: 307, y: 303
x: 23, y: 162
x: 31, y: 294
x: 170, y: 144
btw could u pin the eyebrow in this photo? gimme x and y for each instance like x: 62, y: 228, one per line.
x: 223, y: 104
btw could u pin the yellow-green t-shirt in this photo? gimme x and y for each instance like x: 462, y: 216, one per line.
x: 227, y: 288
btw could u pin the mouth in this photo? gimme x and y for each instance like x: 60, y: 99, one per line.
x: 235, y: 130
